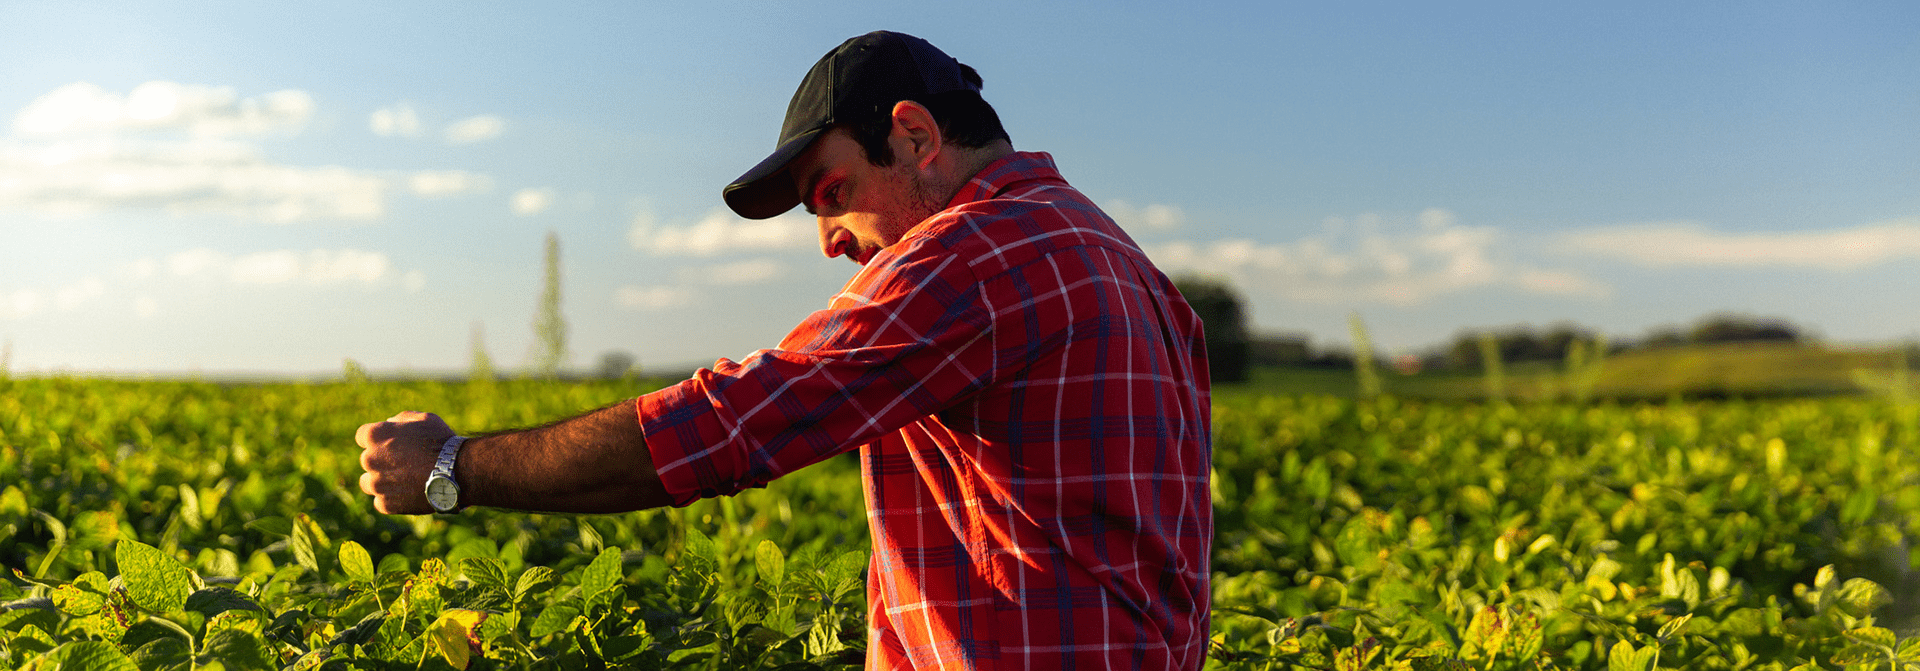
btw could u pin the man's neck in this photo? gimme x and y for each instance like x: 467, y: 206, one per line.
x: 967, y: 162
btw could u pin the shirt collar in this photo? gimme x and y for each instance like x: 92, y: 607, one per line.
x: 1003, y: 173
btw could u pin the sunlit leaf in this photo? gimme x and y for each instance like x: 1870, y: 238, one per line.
x: 771, y: 564
x: 215, y: 600
x: 532, y: 581
x: 154, y: 580
x: 355, y: 561
x: 86, y: 595
x: 553, y: 620
x: 485, y: 572
x: 601, y: 575
x: 452, y: 635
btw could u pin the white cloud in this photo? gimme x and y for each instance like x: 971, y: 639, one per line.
x: 529, y: 202
x: 80, y: 293
x: 1677, y: 244
x: 443, y: 183
x: 134, y: 283
x: 319, y: 267
x: 656, y: 297
x: 204, y: 111
x: 1372, y: 260
x: 475, y: 129
x: 754, y: 271
x: 197, y: 176
x: 19, y: 303
x: 690, y: 281
x: 721, y: 231
x: 189, y: 150
x: 398, y: 120
x: 194, y: 262
x: 1153, y: 216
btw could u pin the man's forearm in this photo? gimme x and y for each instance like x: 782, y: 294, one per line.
x: 594, y: 463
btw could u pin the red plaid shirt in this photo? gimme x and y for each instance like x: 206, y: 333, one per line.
x: 1030, y: 399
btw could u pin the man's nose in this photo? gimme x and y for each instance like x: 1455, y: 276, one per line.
x: 832, y: 238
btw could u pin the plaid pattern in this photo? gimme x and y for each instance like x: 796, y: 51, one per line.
x: 1029, y: 396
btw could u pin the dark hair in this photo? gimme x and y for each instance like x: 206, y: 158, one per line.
x: 965, y: 120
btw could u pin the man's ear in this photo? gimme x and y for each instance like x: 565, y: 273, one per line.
x: 915, y: 132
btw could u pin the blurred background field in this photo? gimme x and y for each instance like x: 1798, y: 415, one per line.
x: 1722, y: 370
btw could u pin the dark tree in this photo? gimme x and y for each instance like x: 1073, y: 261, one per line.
x: 1743, y: 328
x: 1224, y: 316
x: 616, y: 365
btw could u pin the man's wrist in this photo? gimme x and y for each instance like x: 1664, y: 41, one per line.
x: 443, y: 488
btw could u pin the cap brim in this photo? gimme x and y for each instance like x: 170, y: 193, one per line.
x: 766, y: 191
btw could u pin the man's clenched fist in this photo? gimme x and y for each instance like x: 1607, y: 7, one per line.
x: 398, y: 454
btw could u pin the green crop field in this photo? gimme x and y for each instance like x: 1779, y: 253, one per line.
x: 189, y: 525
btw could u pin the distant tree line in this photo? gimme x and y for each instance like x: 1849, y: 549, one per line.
x: 1525, y: 343
x: 1233, y: 349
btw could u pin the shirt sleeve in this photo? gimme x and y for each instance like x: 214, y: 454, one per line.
x: 908, y: 337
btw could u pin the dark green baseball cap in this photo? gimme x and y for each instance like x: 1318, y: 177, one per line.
x: 859, y: 79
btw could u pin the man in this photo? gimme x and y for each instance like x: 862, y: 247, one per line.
x: 1027, y: 392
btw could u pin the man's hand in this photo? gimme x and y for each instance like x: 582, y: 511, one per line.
x: 398, y: 454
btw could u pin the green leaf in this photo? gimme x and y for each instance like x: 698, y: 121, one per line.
x: 89, y: 655
x: 553, y: 620
x: 189, y: 510
x: 390, y: 639
x: 361, y: 632
x: 154, y: 580
x: 485, y: 572
x: 152, y: 629
x: 500, y: 626
x: 32, y: 636
x: 13, y: 501
x: 84, y: 596
x: 164, y: 653
x: 302, y: 545
x: 844, y: 572
x: 1647, y: 658
x: 1357, y: 544
x: 1859, y: 596
x: 532, y: 581
x: 1603, y: 571
x: 823, y: 638
x: 1876, y: 637
x: 1621, y: 658
x: 1670, y: 629
x: 211, y: 601
x: 1909, y: 650
x: 601, y: 575
x: 394, y: 562
x: 700, y: 551
x: 58, y: 530
x: 355, y: 561
x: 238, y: 648
x: 449, y: 635
x: 272, y: 526
x: 472, y: 547
x: 771, y: 563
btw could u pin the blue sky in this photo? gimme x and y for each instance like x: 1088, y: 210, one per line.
x: 229, y: 187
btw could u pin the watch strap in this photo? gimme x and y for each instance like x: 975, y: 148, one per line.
x: 449, y: 451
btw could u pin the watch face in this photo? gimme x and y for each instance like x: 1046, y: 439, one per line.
x: 442, y: 493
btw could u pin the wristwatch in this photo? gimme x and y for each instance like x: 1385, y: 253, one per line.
x: 442, y: 492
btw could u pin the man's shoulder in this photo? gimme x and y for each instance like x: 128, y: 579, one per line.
x: 1024, y: 222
